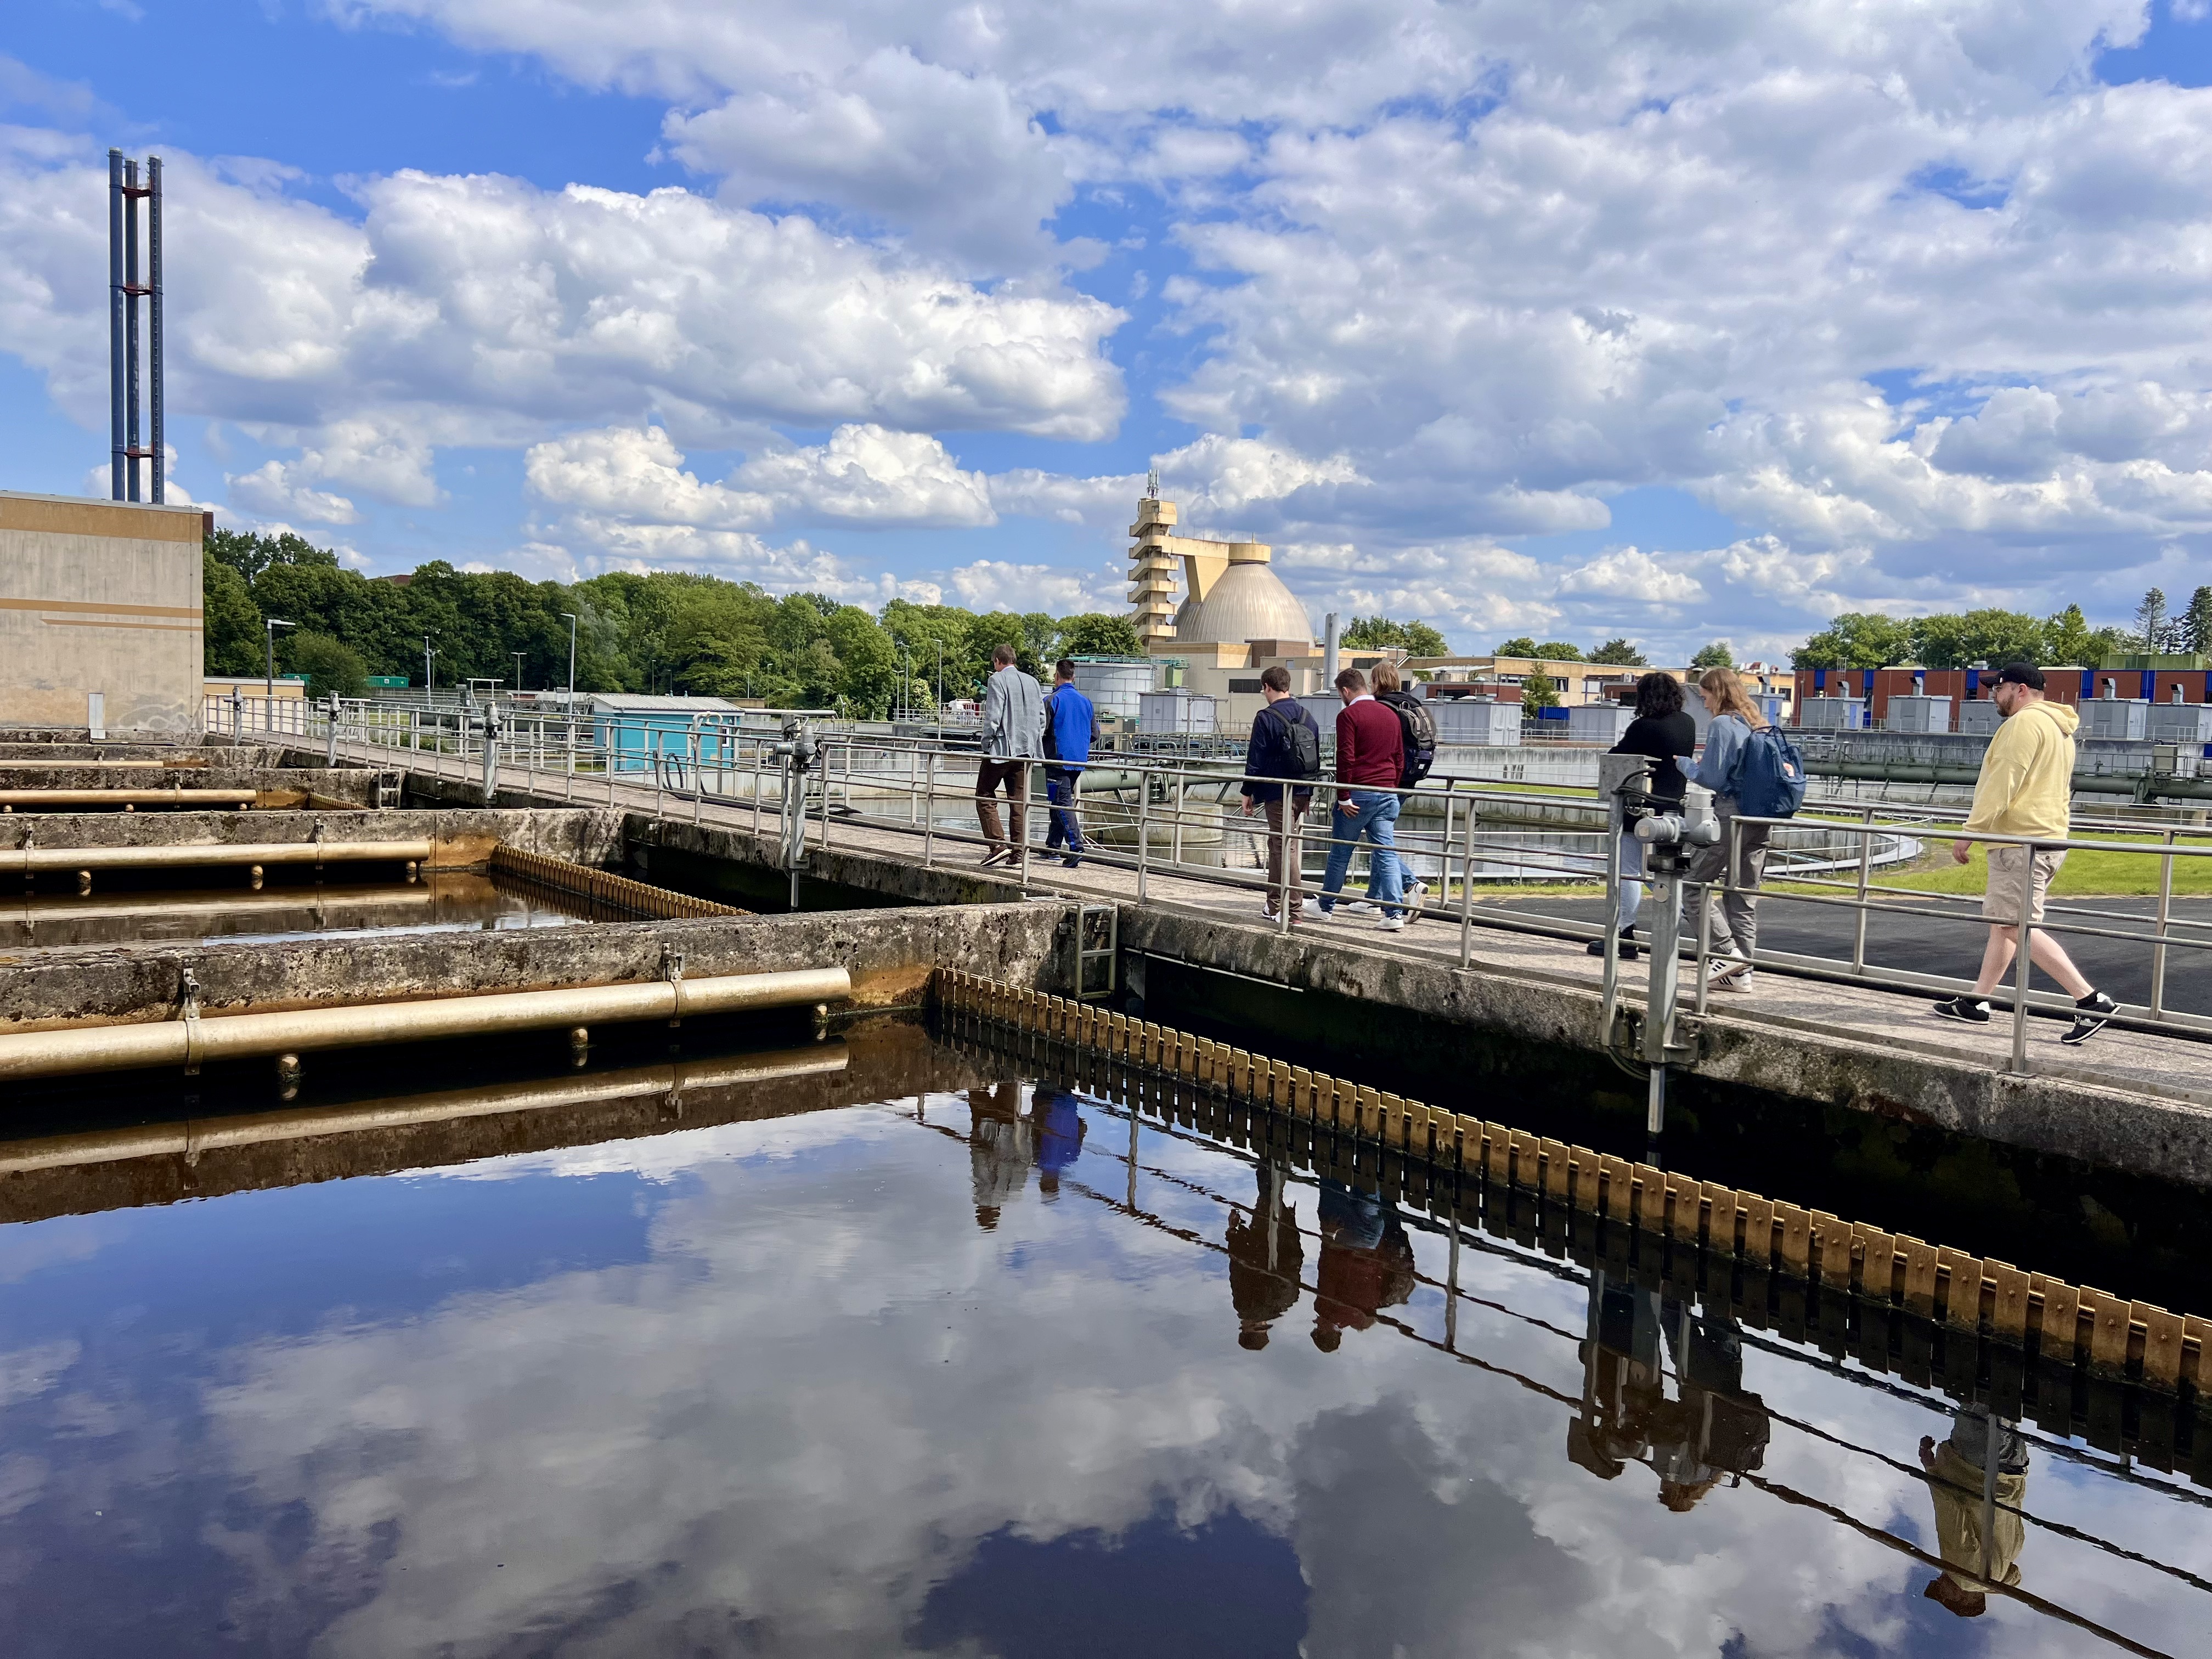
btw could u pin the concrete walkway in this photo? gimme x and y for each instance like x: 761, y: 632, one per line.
x: 1820, y: 1032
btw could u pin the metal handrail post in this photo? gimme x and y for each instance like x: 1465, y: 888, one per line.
x: 1030, y: 772
x: 1175, y: 824
x: 1609, y: 981
x: 1705, y: 945
x: 2158, y: 950
x: 929, y: 812
x: 2021, y: 968
x: 1466, y: 887
x: 698, y: 779
x: 1143, y: 830
x: 1289, y: 879
x: 1859, y: 928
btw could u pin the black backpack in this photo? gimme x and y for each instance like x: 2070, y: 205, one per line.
x: 1418, y: 729
x: 1305, y: 740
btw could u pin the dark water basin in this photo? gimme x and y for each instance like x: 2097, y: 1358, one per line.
x: 983, y: 1370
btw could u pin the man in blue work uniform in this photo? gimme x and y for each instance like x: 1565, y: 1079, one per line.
x: 1071, y: 726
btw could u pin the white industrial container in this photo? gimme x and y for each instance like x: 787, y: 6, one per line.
x: 1598, y: 722
x: 1833, y: 713
x: 1977, y: 716
x: 2187, y: 723
x: 1175, y: 713
x: 1468, y: 723
x: 2127, y: 718
x: 1114, y: 687
x: 1919, y: 713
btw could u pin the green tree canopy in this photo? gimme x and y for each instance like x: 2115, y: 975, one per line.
x: 1719, y: 655
x: 1096, y: 634
x: 333, y: 668
x: 1521, y: 645
x: 1857, y: 639
x: 661, y: 630
x: 1537, y: 692
x: 2195, y: 623
x: 1558, y: 651
x: 1953, y: 640
x: 1620, y: 652
x: 1415, y: 638
x: 231, y: 626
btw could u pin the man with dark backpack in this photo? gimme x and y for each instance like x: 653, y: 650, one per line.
x: 1416, y: 731
x: 1285, y: 744
x: 1415, y: 722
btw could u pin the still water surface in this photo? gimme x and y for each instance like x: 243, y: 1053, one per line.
x: 984, y: 1372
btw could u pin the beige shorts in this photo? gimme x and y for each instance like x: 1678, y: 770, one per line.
x: 2014, y: 874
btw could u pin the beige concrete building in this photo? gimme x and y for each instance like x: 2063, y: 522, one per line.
x: 1235, y: 619
x: 99, y: 616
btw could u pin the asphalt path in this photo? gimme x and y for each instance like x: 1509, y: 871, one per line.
x: 2120, y: 968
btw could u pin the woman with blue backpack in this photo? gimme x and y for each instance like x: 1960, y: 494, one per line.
x: 1754, y: 772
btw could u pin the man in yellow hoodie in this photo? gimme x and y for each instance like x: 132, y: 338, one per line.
x: 2027, y: 789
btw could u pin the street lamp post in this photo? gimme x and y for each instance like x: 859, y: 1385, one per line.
x: 517, y: 655
x: 571, y: 617
x: 269, y: 683
x: 429, y: 681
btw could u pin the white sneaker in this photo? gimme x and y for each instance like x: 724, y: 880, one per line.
x: 1308, y: 907
x: 1391, y: 924
x: 1417, y: 898
x: 1359, y: 908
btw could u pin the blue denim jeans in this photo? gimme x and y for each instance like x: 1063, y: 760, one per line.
x: 1059, y: 789
x: 1376, y: 818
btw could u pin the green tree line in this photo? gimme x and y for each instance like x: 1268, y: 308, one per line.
x: 664, y: 631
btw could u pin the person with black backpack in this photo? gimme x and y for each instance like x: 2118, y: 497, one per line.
x: 1284, y: 744
x: 1754, y: 772
x: 1417, y: 729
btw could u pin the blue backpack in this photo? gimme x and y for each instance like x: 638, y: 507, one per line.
x: 1769, y: 776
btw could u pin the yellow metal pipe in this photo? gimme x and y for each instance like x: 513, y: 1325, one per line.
x: 128, y: 796
x: 193, y: 1043
x: 225, y: 902
x: 198, y: 1135
x: 24, y: 861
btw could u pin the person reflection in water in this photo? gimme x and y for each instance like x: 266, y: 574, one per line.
x: 1972, y: 1514
x: 1059, y: 1125
x: 1265, y: 1257
x: 1366, y: 1263
x: 1711, y: 1429
x: 1001, y: 1149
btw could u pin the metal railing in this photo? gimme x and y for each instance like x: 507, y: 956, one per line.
x: 1175, y: 820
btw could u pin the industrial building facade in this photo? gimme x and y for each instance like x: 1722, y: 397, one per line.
x: 99, y: 616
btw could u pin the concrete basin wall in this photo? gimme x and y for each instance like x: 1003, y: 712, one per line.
x: 581, y: 835
x: 890, y: 954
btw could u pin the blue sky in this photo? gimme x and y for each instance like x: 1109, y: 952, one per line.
x: 1685, y: 325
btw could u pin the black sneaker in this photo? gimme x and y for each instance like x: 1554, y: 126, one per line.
x: 1629, y: 950
x: 2096, y: 1009
x: 1975, y: 1010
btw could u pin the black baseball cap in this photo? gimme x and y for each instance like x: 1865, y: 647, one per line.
x: 2021, y: 673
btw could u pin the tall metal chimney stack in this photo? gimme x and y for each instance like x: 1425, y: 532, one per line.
x: 125, y: 289
x: 1329, y: 652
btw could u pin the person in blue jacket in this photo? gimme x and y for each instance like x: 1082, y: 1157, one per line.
x: 1071, y: 726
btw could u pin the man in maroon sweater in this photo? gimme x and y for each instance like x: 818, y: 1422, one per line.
x: 1371, y: 750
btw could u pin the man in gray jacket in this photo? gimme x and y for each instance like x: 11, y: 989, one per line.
x: 1013, y: 736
